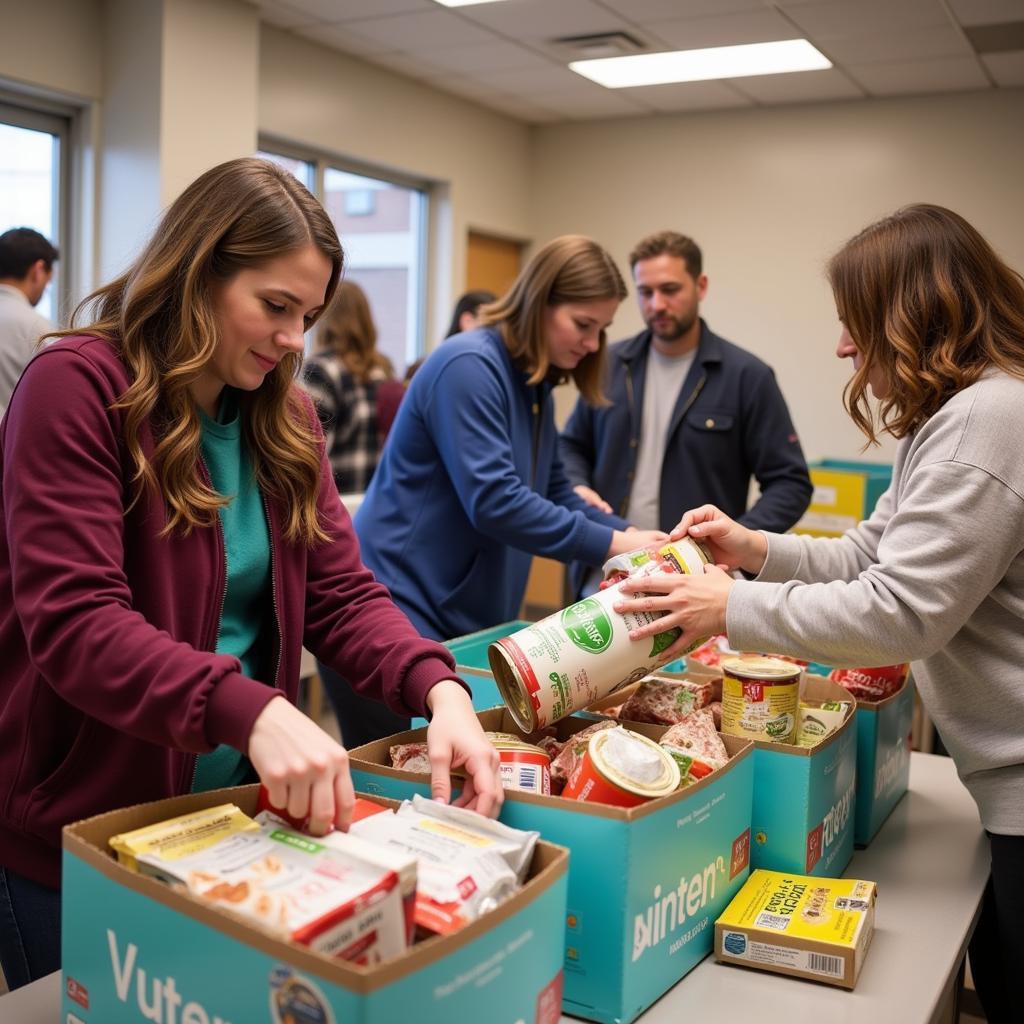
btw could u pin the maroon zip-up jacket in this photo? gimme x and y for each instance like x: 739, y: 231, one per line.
x: 108, y: 687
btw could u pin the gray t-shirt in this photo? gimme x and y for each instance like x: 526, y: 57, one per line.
x: 664, y: 379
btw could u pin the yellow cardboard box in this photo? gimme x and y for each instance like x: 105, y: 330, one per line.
x: 808, y: 927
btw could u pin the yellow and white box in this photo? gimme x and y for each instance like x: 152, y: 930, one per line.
x: 801, y: 925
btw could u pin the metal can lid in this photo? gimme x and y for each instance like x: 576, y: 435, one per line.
x: 511, y: 687
x: 761, y: 667
x: 506, y: 741
x: 666, y: 782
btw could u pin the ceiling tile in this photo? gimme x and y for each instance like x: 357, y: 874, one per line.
x: 850, y: 17
x: 282, y: 15
x: 407, y: 64
x: 690, y: 96
x: 762, y: 26
x: 545, y: 19
x: 661, y: 10
x: 486, y: 57
x: 987, y: 12
x: 1006, y: 68
x: 344, y: 38
x: 346, y: 10
x: 882, y: 46
x: 431, y: 30
x: 550, y: 80
x: 523, y: 110
x: 595, y: 105
x: 799, y: 87
x: 922, y: 76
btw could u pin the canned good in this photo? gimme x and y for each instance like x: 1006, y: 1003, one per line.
x: 685, y: 556
x: 760, y: 698
x: 624, y: 769
x: 581, y: 654
x: 524, y: 767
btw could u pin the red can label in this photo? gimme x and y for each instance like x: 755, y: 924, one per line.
x: 527, y: 771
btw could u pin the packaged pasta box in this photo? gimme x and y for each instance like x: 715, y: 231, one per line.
x: 800, y: 925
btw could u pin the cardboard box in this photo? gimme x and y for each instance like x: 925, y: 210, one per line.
x: 803, y: 808
x: 645, y: 883
x: 803, y: 926
x: 845, y: 493
x: 804, y: 797
x: 471, y: 663
x: 135, y: 949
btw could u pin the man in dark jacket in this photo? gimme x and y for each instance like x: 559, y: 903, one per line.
x: 693, y: 417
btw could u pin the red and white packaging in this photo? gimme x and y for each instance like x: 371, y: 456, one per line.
x: 661, y: 701
x: 466, y: 864
x: 697, y: 736
x: 410, y: 757
x: 572, y: 753
x: 871, y: 684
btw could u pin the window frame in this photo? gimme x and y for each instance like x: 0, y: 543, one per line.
x: 37, y: 113
x: 322, y: 160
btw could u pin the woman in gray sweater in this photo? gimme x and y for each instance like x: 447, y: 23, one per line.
x: 933, y: 320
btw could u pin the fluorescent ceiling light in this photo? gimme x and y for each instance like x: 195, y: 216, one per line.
x: 464, y: 3
x: 701, y: 65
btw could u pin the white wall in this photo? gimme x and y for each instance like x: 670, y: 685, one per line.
x: 769, y: 194
x: 317, y: 97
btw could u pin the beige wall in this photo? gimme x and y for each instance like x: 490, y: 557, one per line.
x: 769, y: 194
x: 317, y: 97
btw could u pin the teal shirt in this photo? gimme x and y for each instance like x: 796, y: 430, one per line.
x: 245, y: 615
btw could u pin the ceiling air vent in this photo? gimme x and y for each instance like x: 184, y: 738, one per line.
x: 599, y: 44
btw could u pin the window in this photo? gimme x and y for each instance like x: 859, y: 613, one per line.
x: 33, y: 183
x: 382, y: 223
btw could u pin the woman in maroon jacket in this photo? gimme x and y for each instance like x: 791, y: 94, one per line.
x: 172, y: 537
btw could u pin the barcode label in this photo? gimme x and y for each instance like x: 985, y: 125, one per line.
x: 830, y: 965
x: 528, y: 777
x: 777, y: 922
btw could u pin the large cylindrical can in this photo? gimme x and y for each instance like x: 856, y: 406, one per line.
x: 607, y: 774
x: 760, y: 698
x: 576, y: 656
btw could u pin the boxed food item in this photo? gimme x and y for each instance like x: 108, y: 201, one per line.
x: 885, y: 716
x: 645, y: 882
x: 134, y: 948
x: 800, y: 925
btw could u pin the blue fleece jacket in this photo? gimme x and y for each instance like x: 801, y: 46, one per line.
x: 470, y: 486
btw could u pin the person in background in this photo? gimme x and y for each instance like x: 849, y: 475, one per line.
x: 933, y: 321
x: 171, y: 535
x: 692, y: 417
x: 465, y: 316
x: 354, y: 388
x: 26, y: 268
x: 471, y: 486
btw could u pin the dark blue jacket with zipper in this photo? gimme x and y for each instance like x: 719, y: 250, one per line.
x: 730, y: 423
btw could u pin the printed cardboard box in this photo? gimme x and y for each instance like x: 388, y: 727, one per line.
x: 883, y: 759
x: 471, y: 663
x: 645, y: 884
x: 845, y: 493
x: 804, y: 796
x: 134, y: 949
x: 803, y: 808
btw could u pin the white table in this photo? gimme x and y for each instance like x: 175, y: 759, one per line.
x: 930, y: 861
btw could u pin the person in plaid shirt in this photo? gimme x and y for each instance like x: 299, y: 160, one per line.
x: 354, y: 388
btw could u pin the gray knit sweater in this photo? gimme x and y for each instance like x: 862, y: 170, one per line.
x: 936, y: 577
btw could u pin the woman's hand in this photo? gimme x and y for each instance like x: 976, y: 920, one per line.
x: 305, y: 771
x: 455, y: 739
x: 591, y: 497
x: 632, y: 539
x: 694, y: 604
x: 731, y: 545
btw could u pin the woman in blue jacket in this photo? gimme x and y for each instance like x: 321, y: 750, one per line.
x: 470, y: 486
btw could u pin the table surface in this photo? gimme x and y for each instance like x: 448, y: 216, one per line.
x: 930, y: 861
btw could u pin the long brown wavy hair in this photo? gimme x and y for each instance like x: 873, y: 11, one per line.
x: 349, y: 332
x: 159, y: 314
x: 568, y: 269
x: 928, y: 302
